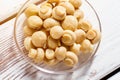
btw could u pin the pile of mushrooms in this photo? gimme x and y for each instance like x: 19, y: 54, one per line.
x: 56, y: 31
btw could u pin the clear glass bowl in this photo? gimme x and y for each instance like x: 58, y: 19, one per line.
x: 90, y: 14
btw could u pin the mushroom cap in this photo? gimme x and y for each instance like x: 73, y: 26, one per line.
x: 56, y: 32
x: 72, y: 57
x: 70, y: 23
x: 40, y: 55
x: 39, y: 39
x: 84, y: 25
x: 68, y: 6
x: 28, y: 43
x: 75, y: 48
x: 86, y: 46
x: 80, y: 35
x: 45, y: 12
x: 34, y: 22
x: 79, y: 14
x: 59, y: 13
x: 32, y: 53
x: 31, y: 10
x: 28, y: 31
x: 97, y: 38
x: 68, y: 37
x: 60, y: 53
x: 52, y: 43
x: 49, y: 54
x: 76, y: 3
x: 91, y: 34
x: 49, y: 23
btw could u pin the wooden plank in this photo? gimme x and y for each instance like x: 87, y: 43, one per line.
x: 106, y: 60
x: 9, y: 9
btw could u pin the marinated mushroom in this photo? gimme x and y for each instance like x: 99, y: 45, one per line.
x: 76, y: 3
x: 85, y: 25
x: 91, y: 34
x: 49, y: 23
x: 52, y: 43
x: 71, y: 59
x: 28, y: 43
x: 68, y: 6
x: 70, y: 23
x: 49, y: 54
x: 28, y: 31
x: 40, y: 55
x: 51, y: 62
x: 59, y: 13
x: 75, y: 48
x: 86, y: 46
x: 32, y: 53
x: 68, y: 62
x: 80, y: 35
x: 34, y: 22
x: 31, y: 10
x: 79, y: 14
x: 39, y: 39
x: 56, y: 32
x: 97, y: 38
x: 45, y: 12
x: 60, y: 53
x: 68, y: 38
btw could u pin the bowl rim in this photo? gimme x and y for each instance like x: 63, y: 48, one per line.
x: 50, y: 71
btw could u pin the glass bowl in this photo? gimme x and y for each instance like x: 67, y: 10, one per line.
x: 90, y: 14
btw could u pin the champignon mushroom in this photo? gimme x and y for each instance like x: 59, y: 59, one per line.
x: 68, y: 37
x: 49, y: 54
x: 34, y: 22
x: 75, y: 48
x: 32, y: 53
x: 52, y: 43
x: 80, y: 35
x: 49, y: 23
x: 56, y: 32
x: 31, y: 10
x: 71, y: 59
x: 59, y: 13
x: 97, y: 38
x: 68, y: 6
x: 91, y: 34
x: 45, y: 12
x: 60, y: 53
x: 40, y: 55
x: 28, y: 31
x: 28, y: 43
x: 85, y: 25
x: 51, y: 62
x: 70, y: 23
x: 86, y: 46
x: 76, y: 3
x: 79, y: 14
x: 39, y: 39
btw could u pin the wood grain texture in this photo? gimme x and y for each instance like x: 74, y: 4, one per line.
x: 9, y: 9
x: 14, y: 67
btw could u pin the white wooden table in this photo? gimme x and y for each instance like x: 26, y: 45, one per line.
x: 107, y: 59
